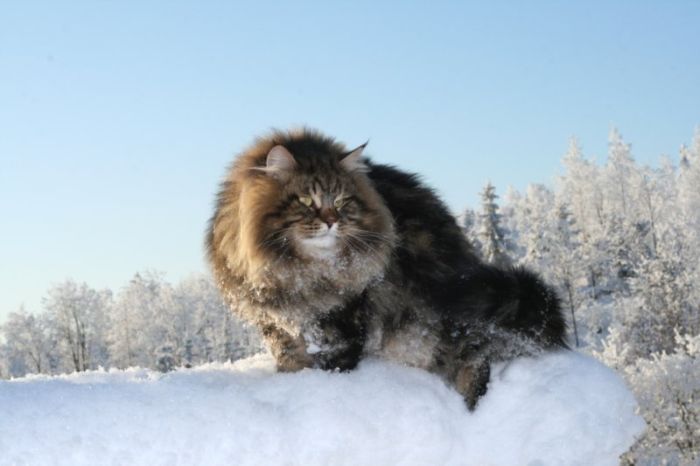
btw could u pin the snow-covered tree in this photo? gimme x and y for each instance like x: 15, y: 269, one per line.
x: 490, y: 231
x: 620, y: 175
x: 469, y: 222
x: 535, y: 222
x: 689, y: 183
x: 565, y: 269
x: 27, y: 346
x: 667, y: 388
x: 580, y: 187
x: 76, y: 314
x: 135, y: 335
x: 217, y: 335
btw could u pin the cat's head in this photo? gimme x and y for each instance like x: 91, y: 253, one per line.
x: 304, y: 198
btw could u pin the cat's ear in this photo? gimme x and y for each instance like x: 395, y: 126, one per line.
x: 280, y: 162
x: 352, y: 162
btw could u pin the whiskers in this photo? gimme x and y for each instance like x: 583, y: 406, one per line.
x: 357, y: 244
x: 362, y: 241
x: 277, y: 239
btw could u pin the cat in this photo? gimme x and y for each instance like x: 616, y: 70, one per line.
x: 335, y: 258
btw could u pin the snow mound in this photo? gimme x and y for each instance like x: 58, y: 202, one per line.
x: 560, y: 409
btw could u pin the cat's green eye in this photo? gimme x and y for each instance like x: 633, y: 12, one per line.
x: 306, y: 200
x: 338, y: 203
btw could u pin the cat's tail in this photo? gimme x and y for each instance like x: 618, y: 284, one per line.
x: 495, y: 315
x: 539, y: 311
x: 515, y: 300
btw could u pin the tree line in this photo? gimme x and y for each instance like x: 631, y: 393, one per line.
x: 148, y: 323
x: 621, y: 242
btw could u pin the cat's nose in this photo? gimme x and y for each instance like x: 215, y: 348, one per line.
x: 328, y: 216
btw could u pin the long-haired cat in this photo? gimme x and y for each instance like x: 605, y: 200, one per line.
x: 335, y: 257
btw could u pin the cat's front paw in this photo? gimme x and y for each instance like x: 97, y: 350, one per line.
x: 340, y: 363
x: 341, y: 359
x: 472, y: 382
x: 293, y: 364
x: 289, y: 351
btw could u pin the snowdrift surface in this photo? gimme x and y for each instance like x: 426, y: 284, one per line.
x: 562, y: 409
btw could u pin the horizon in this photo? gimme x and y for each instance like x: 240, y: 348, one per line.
x: 119, y: 120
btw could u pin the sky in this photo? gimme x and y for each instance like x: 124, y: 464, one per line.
x: 118, y: 119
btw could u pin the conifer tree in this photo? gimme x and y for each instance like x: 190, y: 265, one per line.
x: 490, y: 231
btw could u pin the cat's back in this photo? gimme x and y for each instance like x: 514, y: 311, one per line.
x: 431, y: 246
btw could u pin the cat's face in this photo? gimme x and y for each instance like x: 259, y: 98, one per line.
x: 322, y: 207
x: 323, y: 213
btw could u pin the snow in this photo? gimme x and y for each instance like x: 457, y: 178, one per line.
x: 560, y: 409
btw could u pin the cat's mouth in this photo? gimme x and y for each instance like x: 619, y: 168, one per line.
x: 323, y: 243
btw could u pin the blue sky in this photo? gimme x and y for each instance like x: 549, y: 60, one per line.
x: 117, y: 119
